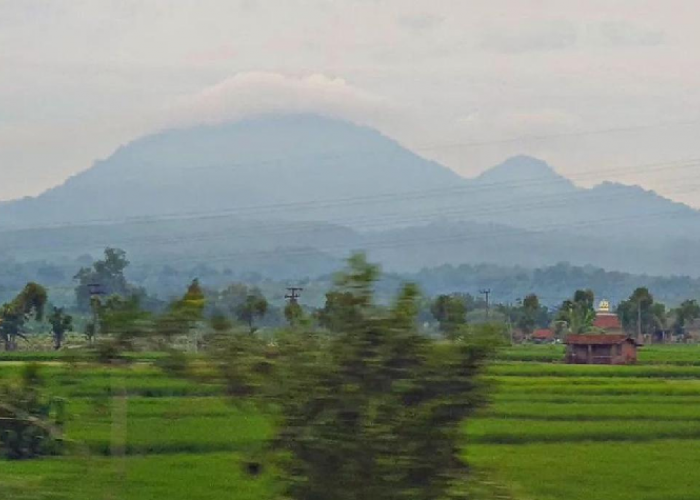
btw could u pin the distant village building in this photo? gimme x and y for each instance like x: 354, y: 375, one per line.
x: 607, y: 320
x: 601, y: 349
x: 611, y: 347
x: 543, y: 336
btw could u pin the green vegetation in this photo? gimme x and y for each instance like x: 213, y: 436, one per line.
x: 552, y: 432
x: 361, y: 398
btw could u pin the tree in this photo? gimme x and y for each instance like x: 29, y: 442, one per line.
x: 685, y: 314
x: 122, y: 323
x: 107, y: 273
x: 30, y: 302
x: 640, y: 314
x: 578, y: 313
x: 183, y: 315
x: 450, y: 313
x: 376, y: 409
x: 254, y: 306
x: 529, y: 311
x: 61, y: 323
x: 293, y: 313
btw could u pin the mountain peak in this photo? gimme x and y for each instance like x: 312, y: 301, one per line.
x: 529, y: 171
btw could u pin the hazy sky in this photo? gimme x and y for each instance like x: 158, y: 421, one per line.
x: 586, y: 85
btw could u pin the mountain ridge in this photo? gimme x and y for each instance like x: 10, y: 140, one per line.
x: 315, y: 173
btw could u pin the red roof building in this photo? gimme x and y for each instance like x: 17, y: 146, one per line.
x: 543, y: 335
x: 606, y: 319
x: 601, y: 349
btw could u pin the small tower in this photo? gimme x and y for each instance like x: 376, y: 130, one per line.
x: 605, y: 319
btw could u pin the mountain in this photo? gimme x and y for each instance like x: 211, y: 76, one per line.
x: 317, y: 188
x: 529, y: 175
x: 300, y: 167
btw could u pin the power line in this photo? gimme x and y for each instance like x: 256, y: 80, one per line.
x: 389, y: 244
x: 285, y: 207
x: 279, y: 228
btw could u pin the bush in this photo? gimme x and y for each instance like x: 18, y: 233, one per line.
x: 30, y: 424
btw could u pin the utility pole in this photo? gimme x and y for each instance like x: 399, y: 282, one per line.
x: 639, y: 320
x: 96, y: 290
x: 293, y: 294
x: 293, y: 311
x: 486, y: 292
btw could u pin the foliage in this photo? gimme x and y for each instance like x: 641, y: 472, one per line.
x: 244, y: 303
x: 374, y: 410
x: 122, y: 323
x: 30, y: 302
x: 531, y: 314
x: 183, y: 315
x: 578, y: 313
x: 61, y: 323
x: 30, y: 424
x: 293, y: 313
x: 450, y: 313
x: 254, y: 306
x: 106, y: 274
x: 685, y: 314
x: 640, y: 313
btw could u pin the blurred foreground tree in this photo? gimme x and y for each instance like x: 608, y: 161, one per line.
x: 374, y: 410
x: 30, y: 424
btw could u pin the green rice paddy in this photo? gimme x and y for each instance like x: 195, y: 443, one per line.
x: 552, y: 432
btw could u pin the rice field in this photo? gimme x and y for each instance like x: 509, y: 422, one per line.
x: 552, y: 432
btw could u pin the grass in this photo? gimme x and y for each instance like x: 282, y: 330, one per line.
x: 210, y: 476
x: 553, y: 432
x: 656, y: 470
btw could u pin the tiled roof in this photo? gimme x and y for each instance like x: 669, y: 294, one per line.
x: 607, y: 322
x: 543, y: 334
x: 597, y: 339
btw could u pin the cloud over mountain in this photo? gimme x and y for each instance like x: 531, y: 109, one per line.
x: 258, y: 93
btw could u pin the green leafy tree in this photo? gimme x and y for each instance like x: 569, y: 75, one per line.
x: 684, y: 315
x: 374, y: 411
x: 578, y: 314
x: 254, y: 306
x: 61, y: 323
x: 450, y: 313
x: 107, y: 273
x: 641, y: 314
x: 123, y: 323
x: 183, y: 315
x: 30, y: 302
x: 529, y: 312
x: 293, y: 313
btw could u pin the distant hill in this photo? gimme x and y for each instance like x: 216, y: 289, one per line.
x: 230, y: 192
x: 283, y: 167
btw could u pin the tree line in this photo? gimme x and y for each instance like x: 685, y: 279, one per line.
x: 103, y: 292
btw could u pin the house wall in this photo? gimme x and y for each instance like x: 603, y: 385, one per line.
x: 629, y: 353
x: 615, y: 354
